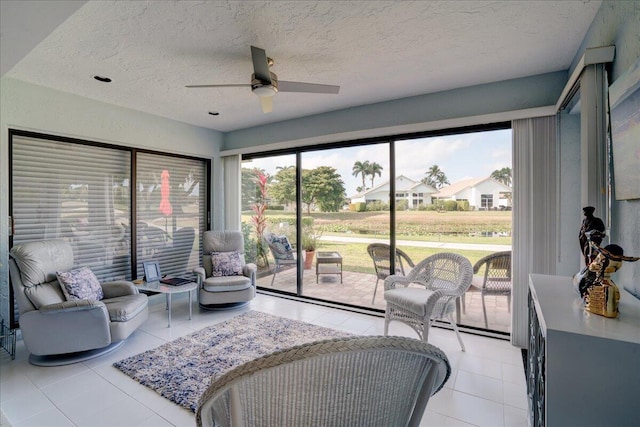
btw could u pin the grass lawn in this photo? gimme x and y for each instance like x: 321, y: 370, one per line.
x: 482, y: 227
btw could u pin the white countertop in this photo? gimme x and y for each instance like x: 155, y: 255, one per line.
x: 560, y: 308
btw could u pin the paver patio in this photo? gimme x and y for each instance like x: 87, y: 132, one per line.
x: 357, y: 289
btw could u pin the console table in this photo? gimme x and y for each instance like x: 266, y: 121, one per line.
x: 582, y: 369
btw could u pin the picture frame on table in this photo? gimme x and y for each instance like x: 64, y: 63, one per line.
x: 151, y: 271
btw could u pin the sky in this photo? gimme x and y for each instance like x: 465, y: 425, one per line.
x: 471, y: 155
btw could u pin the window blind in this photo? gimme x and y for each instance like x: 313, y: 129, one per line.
x: 76, y: 192
x: 170, y: 212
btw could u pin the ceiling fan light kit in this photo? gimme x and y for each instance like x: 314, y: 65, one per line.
x: 264, y: 83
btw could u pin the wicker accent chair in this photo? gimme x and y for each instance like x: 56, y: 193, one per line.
x: 380, y: 253
x: 429, y: 292
x: 495, y: 279
x: 355, y: 381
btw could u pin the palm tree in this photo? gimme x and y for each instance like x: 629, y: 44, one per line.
x: 374, y: 169
x: 435, y: 177
x: 361, y: 168
x: 502, y: 175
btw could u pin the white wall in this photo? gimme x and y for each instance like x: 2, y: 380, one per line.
x: 34, y: 108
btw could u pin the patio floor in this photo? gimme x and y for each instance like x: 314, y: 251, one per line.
x: 357, y: 289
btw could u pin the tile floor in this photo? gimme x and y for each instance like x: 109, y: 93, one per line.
x: 486, y: 388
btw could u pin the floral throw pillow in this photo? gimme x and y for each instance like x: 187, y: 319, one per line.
x: 284, y: 248
x: 80, y: 284
x: 226, y: 264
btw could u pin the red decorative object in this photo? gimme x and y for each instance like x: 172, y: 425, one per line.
x: 165, y: 204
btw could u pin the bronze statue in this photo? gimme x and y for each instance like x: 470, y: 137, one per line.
x: 592, y: 230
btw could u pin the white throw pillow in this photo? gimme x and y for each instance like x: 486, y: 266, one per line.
x: 80, y: 284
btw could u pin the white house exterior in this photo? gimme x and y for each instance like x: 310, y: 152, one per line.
x: 414, y: 192
x: 482, y: 193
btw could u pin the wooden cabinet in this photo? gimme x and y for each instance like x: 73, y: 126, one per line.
x: 582, y: 369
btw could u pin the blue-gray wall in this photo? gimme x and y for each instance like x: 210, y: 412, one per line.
x: 618, y: 23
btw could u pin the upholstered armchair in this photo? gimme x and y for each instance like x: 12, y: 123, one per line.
x: 225, y: 280
x: 66, y: 315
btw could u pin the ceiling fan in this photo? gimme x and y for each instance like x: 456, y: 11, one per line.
x: 265, y: 84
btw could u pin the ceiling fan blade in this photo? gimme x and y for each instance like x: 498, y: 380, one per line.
x: 285, y: 86
x: 267, y: 104
x: 260, y: 65
x: 229, y: 85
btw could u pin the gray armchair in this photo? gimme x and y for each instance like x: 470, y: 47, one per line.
x: 57, y: 331
x: 228, y: 287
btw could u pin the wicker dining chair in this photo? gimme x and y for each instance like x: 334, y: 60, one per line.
x: 380, y: 253
x: 495, y: 278
x: 354, y: 381
x: 428, y: 293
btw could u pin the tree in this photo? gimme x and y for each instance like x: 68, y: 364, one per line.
x: 323, y: 186
x: 373, y: 170
x: 283, y: 187
x: 502, y: 175
x: 250, y: 190
x: 435, y: 177
x: 361, y: 168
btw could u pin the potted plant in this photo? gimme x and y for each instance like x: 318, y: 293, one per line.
x: 310, y: 241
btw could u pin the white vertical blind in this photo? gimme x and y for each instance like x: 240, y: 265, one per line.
x: 534, y: 212
x: 232, y: 192
x: 170, y: 211
x: 75, y: 192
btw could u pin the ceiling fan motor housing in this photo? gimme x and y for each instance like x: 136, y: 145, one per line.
x: 262, y: 88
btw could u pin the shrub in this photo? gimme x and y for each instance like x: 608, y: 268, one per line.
x: 377, y: 205
x: 450, y: 205
x: 463, y: 205
x: 276, y: 208
x: 402, y: 205
x: 358, y: 207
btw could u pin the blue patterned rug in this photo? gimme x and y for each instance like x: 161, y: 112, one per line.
x: 181, y: 370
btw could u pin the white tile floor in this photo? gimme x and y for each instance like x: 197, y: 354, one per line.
x: 486, y: 388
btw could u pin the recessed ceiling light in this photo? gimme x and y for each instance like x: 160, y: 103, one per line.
x: 214, y: 113
x: 102, y: 79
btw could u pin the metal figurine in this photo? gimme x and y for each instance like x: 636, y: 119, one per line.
x: 594, y: 283
x: 592, y: 230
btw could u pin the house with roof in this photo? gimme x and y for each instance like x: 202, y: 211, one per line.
x: 415, y: 193
x: 481, y: 193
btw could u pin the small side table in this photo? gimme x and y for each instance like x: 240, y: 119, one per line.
x: 168, y: 290
x: 328, y: 263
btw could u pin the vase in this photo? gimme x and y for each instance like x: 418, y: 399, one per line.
x: 308, y: 259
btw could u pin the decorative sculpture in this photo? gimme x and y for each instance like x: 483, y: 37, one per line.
x: 592, y: 230
x: 594, y: 282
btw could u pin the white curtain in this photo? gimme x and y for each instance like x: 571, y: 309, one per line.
x: 232, y: 192
x: 534, y: 212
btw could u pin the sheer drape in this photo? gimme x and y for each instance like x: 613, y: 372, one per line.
x: 534, y: 212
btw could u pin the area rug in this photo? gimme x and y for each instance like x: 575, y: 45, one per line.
x: 181, y: 370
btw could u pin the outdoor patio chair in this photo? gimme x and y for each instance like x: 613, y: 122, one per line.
x: 66, y: 315
x: 355, y: 381
x: 224, y: 280
x: 495, y: 280
x: 282, y: 252
x: 380, y: 253
x: 428, y: 293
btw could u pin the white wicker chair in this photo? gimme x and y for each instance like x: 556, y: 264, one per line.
x: 355, y: 381
x: 428, y: 293
x: 495, y: 280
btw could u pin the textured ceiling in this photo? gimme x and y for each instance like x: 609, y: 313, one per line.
x: 375, y: 50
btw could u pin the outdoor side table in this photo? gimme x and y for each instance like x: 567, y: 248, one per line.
x: 168, y: 290
x: 328, y: 263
